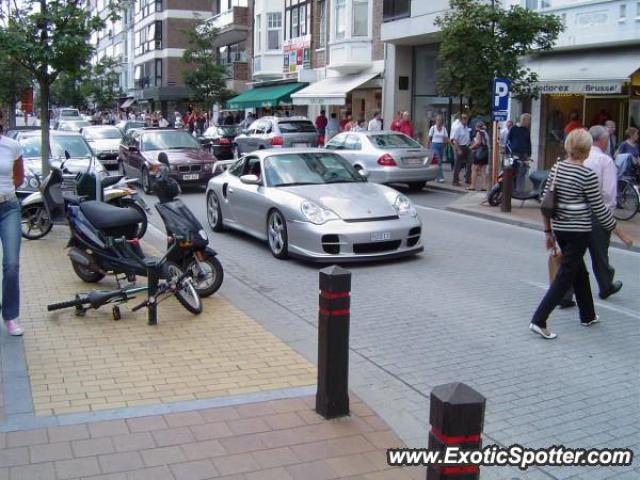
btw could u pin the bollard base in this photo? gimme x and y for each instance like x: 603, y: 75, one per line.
x: 332, y: 408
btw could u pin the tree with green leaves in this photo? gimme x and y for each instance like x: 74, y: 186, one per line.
x: 206, y: 78
x: 481, y: 40
x: 14, y: 80
x: 46, y: 38
x: 101, y: 85
x: 67, y: 90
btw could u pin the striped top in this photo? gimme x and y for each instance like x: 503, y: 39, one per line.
x: 578, y: 196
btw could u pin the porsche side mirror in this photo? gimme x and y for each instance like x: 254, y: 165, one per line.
x: 250, y: 179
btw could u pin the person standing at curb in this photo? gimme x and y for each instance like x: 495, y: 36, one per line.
x: 11, y: 176
x: 519, y: 144
x: 438, y: 138
x: 578, y: 198
x: 460, y: 140
x: 375, y: 124
x: 480, y: 151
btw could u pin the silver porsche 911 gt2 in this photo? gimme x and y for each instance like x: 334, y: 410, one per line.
x: 312, y: 203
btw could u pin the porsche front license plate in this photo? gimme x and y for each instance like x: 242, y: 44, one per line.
x: 193, y: 176
x: 380, y: 236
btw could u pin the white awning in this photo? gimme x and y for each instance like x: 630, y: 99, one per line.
x: 589, y: 72
x: 332, y: 90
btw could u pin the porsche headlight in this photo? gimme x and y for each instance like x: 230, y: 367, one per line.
x: 316, y: 214
x: 203, y: 235
x: 404, y: 206
x: 33, y: 182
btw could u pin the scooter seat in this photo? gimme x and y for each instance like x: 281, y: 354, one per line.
x: 109, y: 218
x: 111, y: 180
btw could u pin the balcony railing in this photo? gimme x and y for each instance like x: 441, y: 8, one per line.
x: 237, y: 14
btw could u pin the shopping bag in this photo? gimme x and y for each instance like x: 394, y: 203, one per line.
x: 555, y: 259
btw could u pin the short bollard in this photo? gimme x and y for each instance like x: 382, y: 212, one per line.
x: 457, y: 419
x: 153, y: 277
x: 332, y: 398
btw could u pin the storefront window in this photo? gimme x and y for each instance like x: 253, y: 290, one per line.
x: 360, y: 18
x: 340, y: 19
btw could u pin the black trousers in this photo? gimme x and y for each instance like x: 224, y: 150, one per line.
x: 459, y: 160
x: 572, y: 273
x: 599, y: 252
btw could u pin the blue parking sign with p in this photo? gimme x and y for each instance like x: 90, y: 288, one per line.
x: 500, y: 93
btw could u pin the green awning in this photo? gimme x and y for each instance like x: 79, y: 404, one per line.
x: 265, y: 97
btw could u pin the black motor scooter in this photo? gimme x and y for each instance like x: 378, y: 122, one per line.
x: 95, y: 225
x: 538, y: 180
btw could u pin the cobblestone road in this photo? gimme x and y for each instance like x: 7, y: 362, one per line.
x: 460, y: 312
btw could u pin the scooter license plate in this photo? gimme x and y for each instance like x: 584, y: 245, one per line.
x: 192, y: 176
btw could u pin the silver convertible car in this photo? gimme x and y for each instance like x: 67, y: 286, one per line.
x: 312, y: 203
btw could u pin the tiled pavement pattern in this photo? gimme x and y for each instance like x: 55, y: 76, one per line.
x: 94, y: 363
x: 279, y: 440
x: 526, y: 215
x: 460, y: 312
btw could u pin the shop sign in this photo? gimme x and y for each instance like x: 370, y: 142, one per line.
x: 590, y: 88
x: 297, y: 54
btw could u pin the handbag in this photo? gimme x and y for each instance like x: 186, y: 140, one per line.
x: 550, y: 200
x: 555, y: 259
x: 481, y: 153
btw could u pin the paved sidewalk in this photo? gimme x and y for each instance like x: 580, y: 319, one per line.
x: 195, y: 397
x: 526, y: 214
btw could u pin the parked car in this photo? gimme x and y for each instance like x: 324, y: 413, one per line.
x: 189, y: 163
x: 269, y: 132
x: 105, y: 142
x: 126, y: 125
x: 387, y: 157
x: 312, y: 203
x: 219, y: 140
x: 64, y: 113
x: 16, y: 132
x: 60, y: 142
x: 72, y: 125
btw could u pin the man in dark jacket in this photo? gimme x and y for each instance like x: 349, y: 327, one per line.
x: 519, y: 144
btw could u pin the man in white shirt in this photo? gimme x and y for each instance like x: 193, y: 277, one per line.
x: 375, y: 125
x: 460, y: 140
x: 606, y: 171
x: 504, y: 135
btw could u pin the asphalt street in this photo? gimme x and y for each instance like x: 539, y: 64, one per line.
x: 460, y: 312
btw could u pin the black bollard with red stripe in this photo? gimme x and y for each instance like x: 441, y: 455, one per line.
x: 332, y: 397
x: 457, y: 420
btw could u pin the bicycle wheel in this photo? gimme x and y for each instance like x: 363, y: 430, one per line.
x: 628, y: 201
x: 186, y: 293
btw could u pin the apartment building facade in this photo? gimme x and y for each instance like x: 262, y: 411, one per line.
x: 310, y: 55
x: 149, y: 41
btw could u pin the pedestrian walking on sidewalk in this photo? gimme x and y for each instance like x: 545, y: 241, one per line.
x: 607, y: 173
x: 578, y: 199
x: 460, y: 140
x: 438, y: 139
x: 480, y: 151
x: 11, y: 176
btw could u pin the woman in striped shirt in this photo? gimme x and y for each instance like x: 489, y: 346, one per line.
x: 578, y: 196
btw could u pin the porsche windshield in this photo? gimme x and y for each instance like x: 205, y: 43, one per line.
x: 308, y: 169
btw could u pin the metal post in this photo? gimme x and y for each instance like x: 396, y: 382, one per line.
x: 495, y: 157
x: 507, y: 185
x: 457, y: 419
x: 332, y: 397
x: 153, y: 277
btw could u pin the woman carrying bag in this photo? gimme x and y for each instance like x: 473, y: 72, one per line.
x: 575, y: 192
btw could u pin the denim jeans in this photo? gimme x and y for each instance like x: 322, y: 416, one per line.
x: 438, y: 149
x: 10, y: 237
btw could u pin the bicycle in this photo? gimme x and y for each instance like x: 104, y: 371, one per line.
x: 627, y: 201
x: 177, y: 283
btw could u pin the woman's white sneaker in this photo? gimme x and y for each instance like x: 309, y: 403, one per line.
x: 14, y: 328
